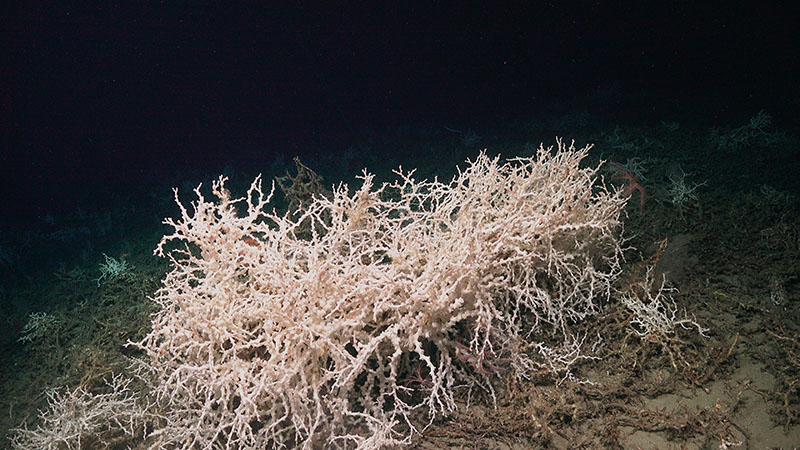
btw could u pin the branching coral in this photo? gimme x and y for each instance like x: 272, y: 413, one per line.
x: 266, y: 337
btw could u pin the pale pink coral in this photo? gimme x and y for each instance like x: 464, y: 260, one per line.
x: 268, y: 338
